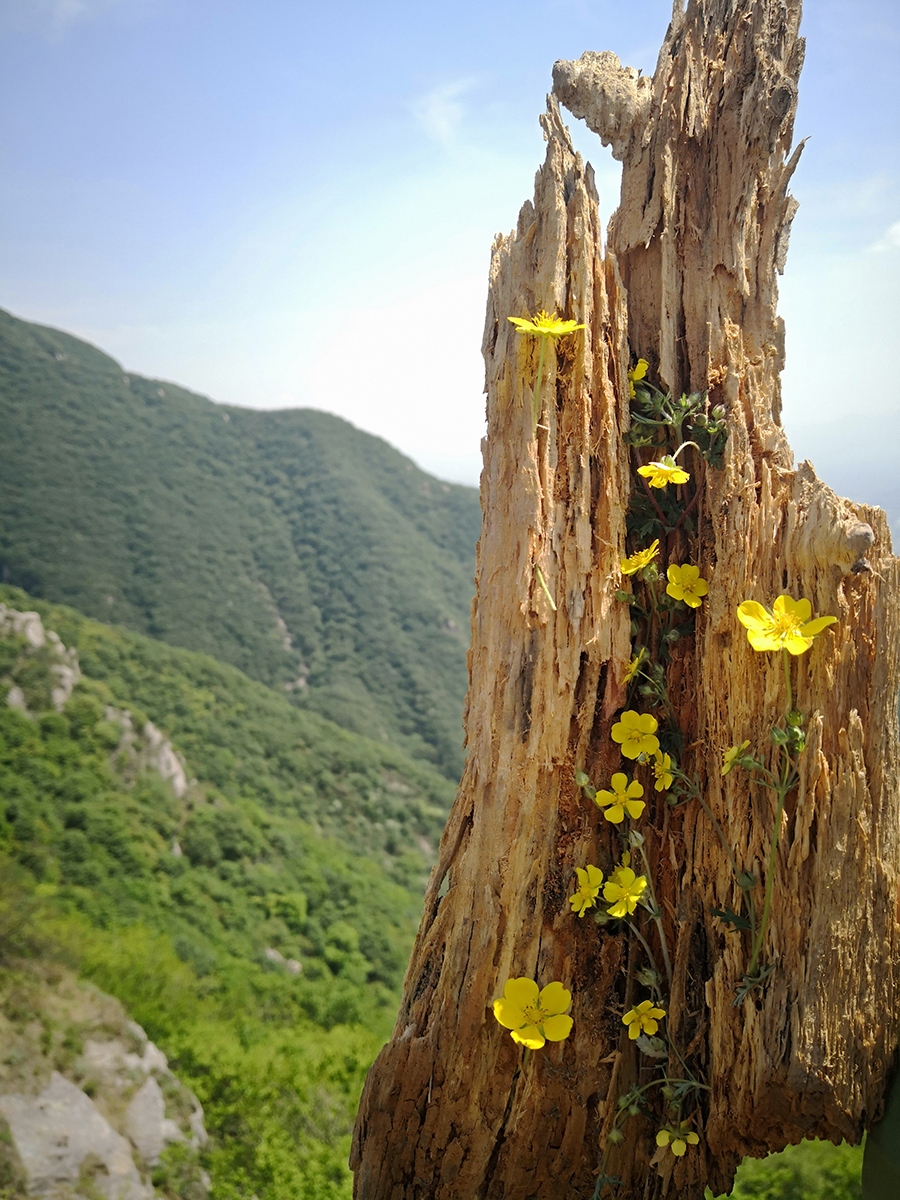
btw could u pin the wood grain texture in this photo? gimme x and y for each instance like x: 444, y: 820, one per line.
x: 688, y: 282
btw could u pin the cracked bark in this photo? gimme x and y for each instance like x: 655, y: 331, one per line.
x: 688, y: 282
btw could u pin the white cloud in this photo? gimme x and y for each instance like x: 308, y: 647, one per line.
x: 440, y: 111
x: 890, y: 240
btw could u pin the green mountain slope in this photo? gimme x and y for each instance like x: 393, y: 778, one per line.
x: 308, y: 554
x: 257, y: 925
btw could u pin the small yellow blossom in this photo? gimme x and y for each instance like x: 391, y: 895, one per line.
x: 662, y: 771
x: 643, y: 1018
x: 623, y: 798
x: 788, y: 625
x: 589, y: 880
x: 533, y: 1017
x: 623, y: 890
x: 634, y: 666
x: 641, y: 559
x: 664, y: 471
x: 637, y: 373
x: 685, y: 584
x: 677, y: 1139
x: 635, y: 733
x: 731, y: 755
x: 545, y: 325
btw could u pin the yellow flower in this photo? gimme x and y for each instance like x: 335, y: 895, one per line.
x: 623, y: 798
x: 685, y: 584
x: 623, y: 890
x: 788, y: 625
x: 545, y: 325
x: 731, y: 755
x: 635, y: 733
x: 641, y: 559
x: 666, y: 470
x: 662, y: 771
x: 677, y: 1139
x: 636, y: 373
x: 534, y: 1017
x: 589, y: 880
x: 634, y: 666
x: 643, y: 1018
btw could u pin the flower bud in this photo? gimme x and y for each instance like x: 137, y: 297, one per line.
x: 635, y: 839
x: 719, y: 412
x: 615, y: 1136
x: 779, y: 737
x: 623, y: 597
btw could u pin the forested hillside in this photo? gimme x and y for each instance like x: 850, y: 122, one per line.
x: 257, y: 925
x: 310, y: 555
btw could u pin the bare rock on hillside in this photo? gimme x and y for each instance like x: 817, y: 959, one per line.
x: 91, y: 1111
x: 63, y: 671
x: 60, y: 1137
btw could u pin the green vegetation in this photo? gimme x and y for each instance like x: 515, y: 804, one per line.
x: 310, y: 555
x: 808, y: 1171
x: 295, y: 837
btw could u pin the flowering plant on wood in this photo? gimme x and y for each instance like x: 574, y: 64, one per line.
x: 788, y: 626
x: 585, y: 895
x: 643, y: 1018
x: 665, y: 591
x: 547, y: 327
x: 534, y: 1016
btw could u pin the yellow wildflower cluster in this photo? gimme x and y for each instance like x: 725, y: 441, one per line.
x: 643, y: 1018
x: 636, y: 562
x: 534, y: 1016
x: 636, y: 733
x: 677, y: 1139
x: 621, y: 800
x: 623, y: 890
x: 663, y: 472
x: 545, y: 324
x: 788, y: 626
x: 585, y: 896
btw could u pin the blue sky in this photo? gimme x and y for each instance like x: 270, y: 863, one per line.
x: 286, y: 204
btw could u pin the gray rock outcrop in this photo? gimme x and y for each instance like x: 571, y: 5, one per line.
x: 60, y: 1136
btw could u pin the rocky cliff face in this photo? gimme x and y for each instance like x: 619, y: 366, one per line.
x: 88, y: 1106
x: 39, y: 671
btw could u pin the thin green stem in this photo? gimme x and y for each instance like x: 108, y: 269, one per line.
x: 657, y: 917
x: 751, y: 907
x: 537, y: 390
x: 540, y: 576
x: 653, y: 502
x: 694, y: 1081
x: 640, y: 937
x: 770, y: 879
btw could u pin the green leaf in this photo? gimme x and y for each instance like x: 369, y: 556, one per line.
x: 881, y: 1161
x: 731, y: 918
x: 654, y: 1047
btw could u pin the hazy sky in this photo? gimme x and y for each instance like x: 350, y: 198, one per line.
x: 291, y: 204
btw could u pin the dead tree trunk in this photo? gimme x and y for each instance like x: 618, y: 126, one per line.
x: 688, y: 282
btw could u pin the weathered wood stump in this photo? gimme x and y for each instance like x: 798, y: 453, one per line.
x: 688, y: 281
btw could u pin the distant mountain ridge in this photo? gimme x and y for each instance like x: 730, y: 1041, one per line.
x: 311, y: 555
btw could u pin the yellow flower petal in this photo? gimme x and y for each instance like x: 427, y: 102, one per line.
x: 530, y: 1036
x: 521, y: 991
x: 555, y: 999
x: 558, y: 1027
